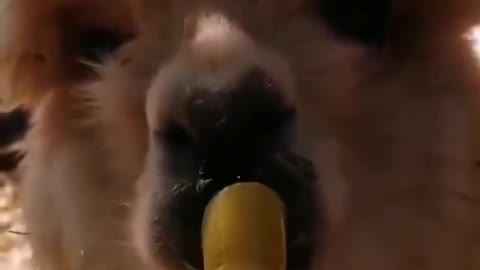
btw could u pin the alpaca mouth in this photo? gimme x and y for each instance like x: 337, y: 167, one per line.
x: 289, y: 176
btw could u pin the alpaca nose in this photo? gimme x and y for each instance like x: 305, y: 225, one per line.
x: 247, y: 115
x: 249, y: 108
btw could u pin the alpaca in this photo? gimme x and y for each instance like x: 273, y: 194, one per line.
x: 361, y: 115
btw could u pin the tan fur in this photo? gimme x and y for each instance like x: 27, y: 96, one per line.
x: 391, y: 131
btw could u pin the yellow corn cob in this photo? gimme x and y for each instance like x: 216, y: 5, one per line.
x: 244, y: 229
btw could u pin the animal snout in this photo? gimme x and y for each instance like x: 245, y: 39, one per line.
x: 248, y: 109
x: 219, y: 137
x: 220, y: 87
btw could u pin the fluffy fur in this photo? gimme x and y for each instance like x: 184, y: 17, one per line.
x: 390, y: 127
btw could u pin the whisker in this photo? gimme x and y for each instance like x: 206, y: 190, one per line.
x: 184, y: 185
x: 188, y: 266
x: 19, y: 233
x: 124, y: 204
x: 202, y: 183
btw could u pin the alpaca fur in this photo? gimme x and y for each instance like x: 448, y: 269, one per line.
x: 390, y: 127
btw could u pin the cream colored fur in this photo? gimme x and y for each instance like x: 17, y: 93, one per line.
x: 392, y: 131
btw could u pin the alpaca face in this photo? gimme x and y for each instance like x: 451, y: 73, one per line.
x: 359, y: 115
x: 215, y: 110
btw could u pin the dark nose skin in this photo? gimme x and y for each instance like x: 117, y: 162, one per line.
x: 241, y: 121
x: 250, y: 108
